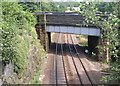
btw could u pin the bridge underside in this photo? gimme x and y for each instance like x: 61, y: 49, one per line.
x: 91, y: 31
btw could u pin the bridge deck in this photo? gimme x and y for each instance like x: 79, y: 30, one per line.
x: 91, y: 31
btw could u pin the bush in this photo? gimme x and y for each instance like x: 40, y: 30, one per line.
x: 16, y: 27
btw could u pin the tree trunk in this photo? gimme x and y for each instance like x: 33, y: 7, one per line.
x: 107, y: 52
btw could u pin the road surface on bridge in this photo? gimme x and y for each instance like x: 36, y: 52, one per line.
x: 66, y: 64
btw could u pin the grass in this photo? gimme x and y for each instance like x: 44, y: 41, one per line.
x: 83, y: 40
x: 36, y: 78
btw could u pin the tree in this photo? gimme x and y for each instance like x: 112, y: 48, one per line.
x: 108, y: 20
x: 30, y: 6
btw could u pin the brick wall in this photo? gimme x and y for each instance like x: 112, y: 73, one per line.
x: 64, y: 19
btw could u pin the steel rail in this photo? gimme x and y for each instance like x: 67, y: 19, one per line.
x: 74, y: 61
x: 78, y: 55
x: 64, y: 64
x: 56, y: 59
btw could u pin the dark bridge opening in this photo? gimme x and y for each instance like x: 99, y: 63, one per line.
x: 88, y: 46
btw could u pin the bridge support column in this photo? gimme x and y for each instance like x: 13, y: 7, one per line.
x: 48, y: 41
x: 37, y: 28
x: 45, y: 38
x: 42, y: 36
x: 93, y: 41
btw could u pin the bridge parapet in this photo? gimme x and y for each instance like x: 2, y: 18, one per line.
x: 62, y: 19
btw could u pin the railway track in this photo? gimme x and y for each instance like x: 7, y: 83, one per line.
x: 61, y: 77
x: 68, y: 67
x: 73, y: 50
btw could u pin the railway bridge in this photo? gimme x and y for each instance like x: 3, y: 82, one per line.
x: 61, y: 22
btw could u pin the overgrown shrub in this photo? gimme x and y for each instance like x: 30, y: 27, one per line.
x: 16, y: 27
x: 108, y: 20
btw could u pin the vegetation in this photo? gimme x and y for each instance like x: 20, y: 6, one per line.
x: 30, y: 6
x: 83, y: 40
x: 48, y: 6
x: 18, y: 35
x: 15, y: 26
x: 108, y: 20
x: 36, y: 78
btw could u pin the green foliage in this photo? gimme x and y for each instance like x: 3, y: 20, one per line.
x: 83, y: 40
x: 109, y: 26
x: 39, y: 52
x: 16, y: 28
x: 109, y: 31
x: 44, y: 6
x: 106, y: 6
x: 30, y: 6
x: 36, y: 78
x: 114, y: 74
